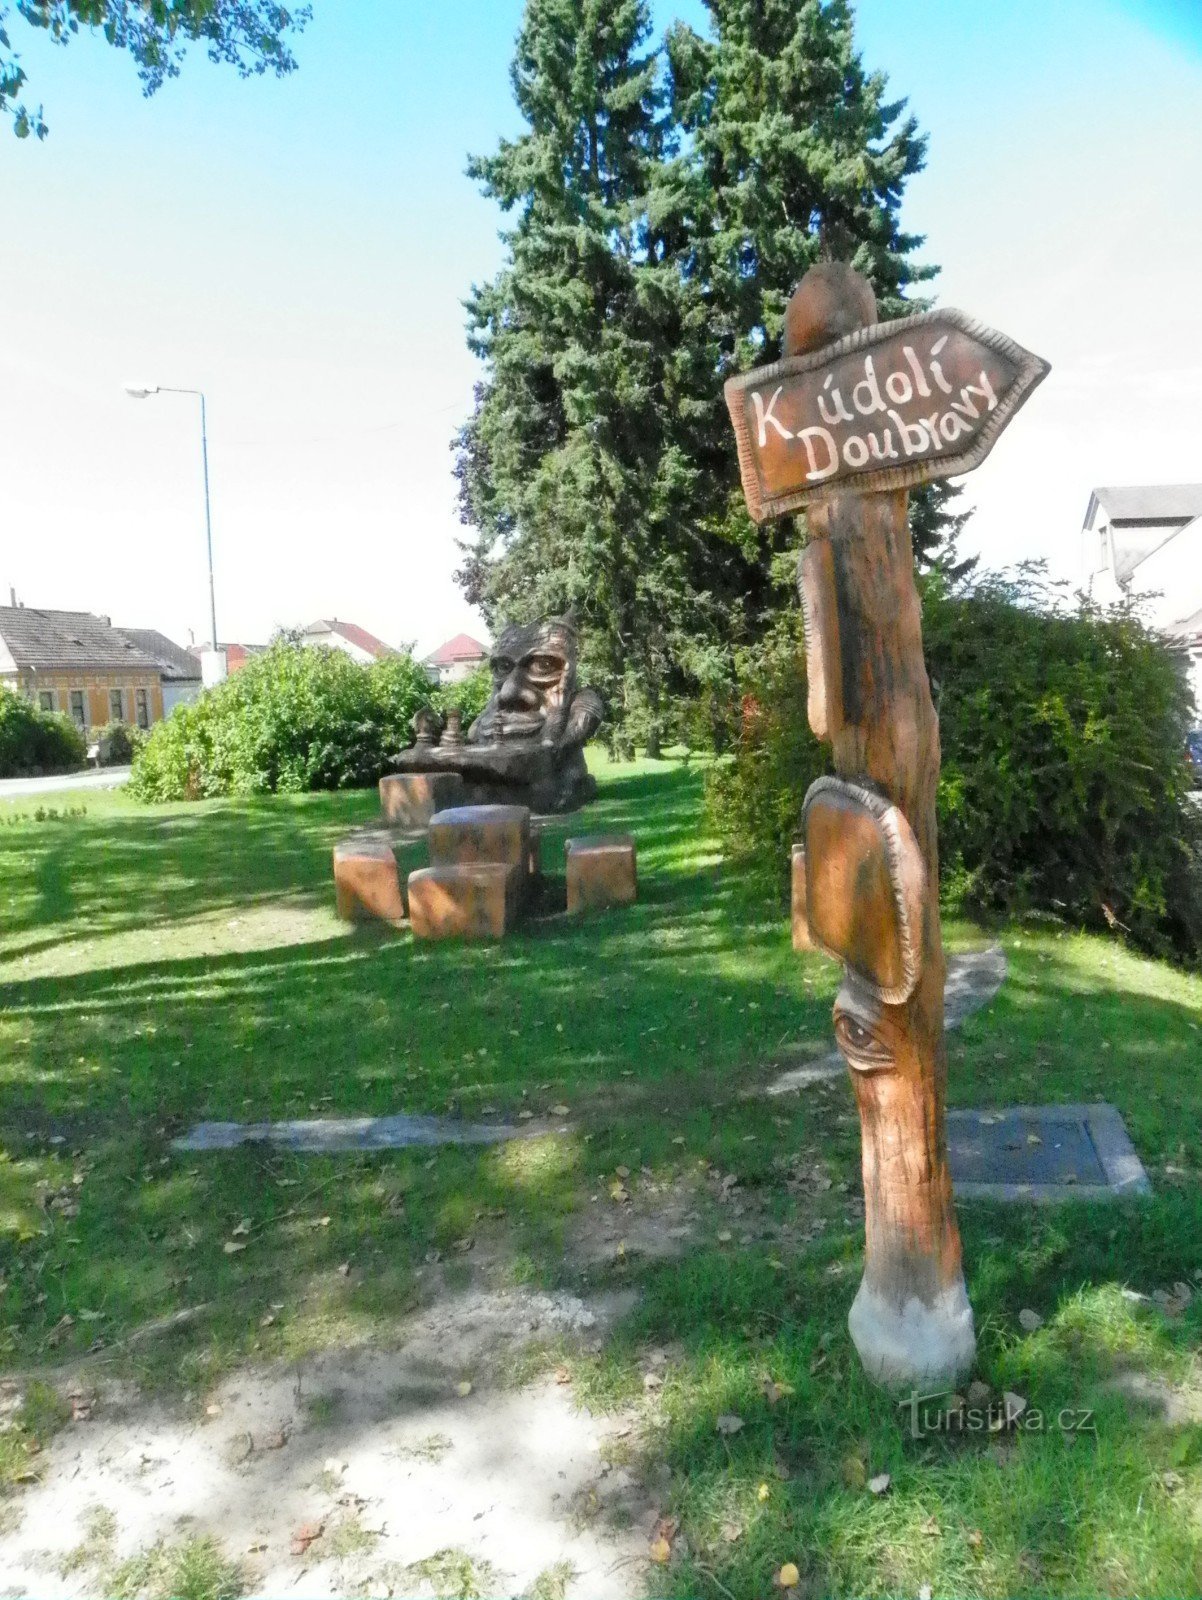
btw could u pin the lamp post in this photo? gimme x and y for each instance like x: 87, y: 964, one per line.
x: 143, y: 391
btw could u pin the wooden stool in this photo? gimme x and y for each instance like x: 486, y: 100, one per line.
x: 472, y: 900
x: 410, y: 799
x: 471, y: 834
x: 800, y: 919
x: 601, y: 871
x: 534, y: 859
x: 367, y: 886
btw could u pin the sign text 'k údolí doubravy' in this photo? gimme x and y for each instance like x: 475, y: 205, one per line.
x: 894, y: 404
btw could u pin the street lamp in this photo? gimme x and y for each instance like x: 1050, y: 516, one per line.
x: 143, y: 391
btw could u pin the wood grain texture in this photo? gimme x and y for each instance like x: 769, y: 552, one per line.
x: 886, y: 735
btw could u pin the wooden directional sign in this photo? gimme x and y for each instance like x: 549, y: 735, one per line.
x: 888, y: 406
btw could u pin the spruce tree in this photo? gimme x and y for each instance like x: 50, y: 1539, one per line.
x: 557, y: 464
x: 664, y: 206
x: 799, y: 156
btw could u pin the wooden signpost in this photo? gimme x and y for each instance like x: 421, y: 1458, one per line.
x: 854, y: 414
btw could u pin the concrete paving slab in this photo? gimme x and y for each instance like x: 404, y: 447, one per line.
x: 324, y: 1135
x: 1043, y: 1153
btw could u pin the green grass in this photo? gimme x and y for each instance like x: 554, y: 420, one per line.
x: 159, y: 966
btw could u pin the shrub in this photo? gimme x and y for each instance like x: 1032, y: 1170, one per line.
x: 292, y: 719
x: 118, y: 741
x: 33, y: 742
x: 1063, y: 786
x: 470, y: 695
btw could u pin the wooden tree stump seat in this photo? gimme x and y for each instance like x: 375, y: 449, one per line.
x: 800, y: 915
x: 601, y: 871
x: 367, y: 885
x: 410, y: 799
x: 470, y: 835
x: 467, y: 900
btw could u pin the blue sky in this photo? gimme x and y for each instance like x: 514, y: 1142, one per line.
x: 300, y: 249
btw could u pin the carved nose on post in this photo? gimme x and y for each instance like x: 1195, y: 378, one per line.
x: 516, y: 694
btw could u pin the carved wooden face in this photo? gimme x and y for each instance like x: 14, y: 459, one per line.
x: 534, y: 677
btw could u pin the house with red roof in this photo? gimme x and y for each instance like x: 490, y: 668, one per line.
x: 349, y: 637
x: 456, y: 660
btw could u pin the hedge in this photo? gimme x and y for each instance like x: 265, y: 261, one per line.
x: 292, y: 719
x: 34, y: 742
x: 1064, y: 787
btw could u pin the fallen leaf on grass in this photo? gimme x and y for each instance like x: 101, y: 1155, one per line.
x: 728, y: 1424
x: 930, y: 1528
x: 762, y: 1493
x: 879, y: 1484
x: 560, y: 1111
x: 974, y: 1538
x: 1013, y: 1406
x: 788, y: 1577
x: 775, y: 1392
x: 242, y: 1229
x: 659, y: 1551
x: 304, y: 1536
x: 618, y: 1191
x: 731, y: 1532
x: 232, y: 1246
x: 60, y: 1329
x: 1028, y: 1321
x: 562, y: 1375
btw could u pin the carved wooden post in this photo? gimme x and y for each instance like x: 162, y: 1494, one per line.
x: 854, y: 413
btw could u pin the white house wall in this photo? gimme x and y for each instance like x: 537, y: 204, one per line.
x: 335, y: 641
x: 179, y: 694
x: 1175, y: 573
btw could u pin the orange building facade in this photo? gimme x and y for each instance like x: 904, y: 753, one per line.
x: 93, y: 697
x: 78, y: 664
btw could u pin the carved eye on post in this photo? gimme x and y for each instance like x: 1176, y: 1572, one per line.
x: 544, y: 668
x: 863, y: 1049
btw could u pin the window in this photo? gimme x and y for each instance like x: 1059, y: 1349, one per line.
x: 46, y: 699
x: 78, y: 708
x: 116, y: 706
x: 142, y: 707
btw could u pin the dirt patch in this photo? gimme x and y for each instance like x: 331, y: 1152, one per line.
x: 359, y: 1472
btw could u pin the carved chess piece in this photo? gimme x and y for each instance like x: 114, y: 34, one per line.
x: 452, y: 734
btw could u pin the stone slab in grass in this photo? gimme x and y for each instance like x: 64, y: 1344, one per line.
x: 319, y: 1135
x: 1042, y: 1153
